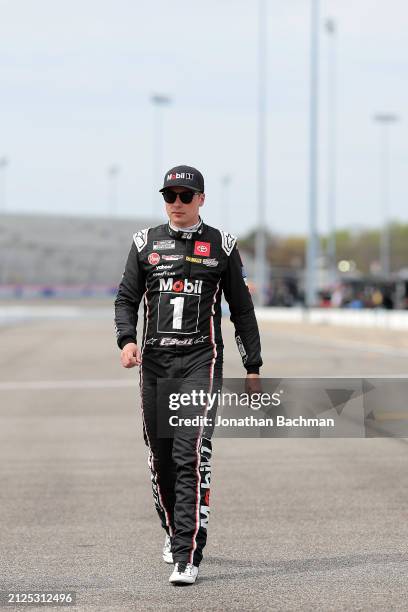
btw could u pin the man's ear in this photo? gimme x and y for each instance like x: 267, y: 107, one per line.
x: 202, y: 198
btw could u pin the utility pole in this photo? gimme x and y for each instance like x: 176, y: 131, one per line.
x: 159, y: 102
x: 311, y: 289
x: 225, y: 204
x: 260, y: 241
x: 113, y: 172
x: 331, y: 149
x: 385, y: 120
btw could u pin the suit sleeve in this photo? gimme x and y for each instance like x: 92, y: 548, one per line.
x: 242, y: 313
x: 130, y: 293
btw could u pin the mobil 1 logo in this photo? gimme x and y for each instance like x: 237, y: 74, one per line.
x: 179, y: 306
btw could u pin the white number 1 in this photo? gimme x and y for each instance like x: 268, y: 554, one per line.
x: 178, y: 311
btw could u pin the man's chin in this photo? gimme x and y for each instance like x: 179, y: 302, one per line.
x: 178, y: 219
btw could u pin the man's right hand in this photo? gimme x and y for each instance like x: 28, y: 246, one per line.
x: 130, y: 355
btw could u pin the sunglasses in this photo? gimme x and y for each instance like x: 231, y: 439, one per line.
x: 185, y: 196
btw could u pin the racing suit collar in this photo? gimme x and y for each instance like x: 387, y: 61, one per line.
x: 186, y: 234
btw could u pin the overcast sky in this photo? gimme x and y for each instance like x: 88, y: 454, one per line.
x: 76, y: 81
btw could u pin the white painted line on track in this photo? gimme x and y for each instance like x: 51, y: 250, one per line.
x: 48, y: 385
x: 18, y: 314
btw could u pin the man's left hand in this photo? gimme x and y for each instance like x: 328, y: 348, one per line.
x: 253, y: 383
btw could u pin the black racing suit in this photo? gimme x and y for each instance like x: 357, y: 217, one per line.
x: 181, y: 276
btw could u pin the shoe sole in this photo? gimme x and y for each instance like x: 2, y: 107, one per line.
x: 182, y: 582
x: 168, y: 560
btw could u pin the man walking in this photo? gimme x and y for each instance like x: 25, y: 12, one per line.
x: 181, y: 269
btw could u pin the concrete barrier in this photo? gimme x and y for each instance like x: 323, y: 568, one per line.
x: 385, y: 319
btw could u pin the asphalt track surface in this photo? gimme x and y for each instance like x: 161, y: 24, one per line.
x: 296, y: 524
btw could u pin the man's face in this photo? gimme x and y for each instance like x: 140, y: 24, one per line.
x: 184, y: 215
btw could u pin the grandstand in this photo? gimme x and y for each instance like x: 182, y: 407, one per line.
x: 69, y: 256
x: 51, y: 249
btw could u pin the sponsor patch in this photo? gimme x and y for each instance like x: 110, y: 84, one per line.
x: 161, y: 245
x: 165, y: 273
x: 154, y: 259
x: 178, y: 286
x: 140, y: 239
x: 176, y: 341
x: 180, y: 175
x: 200, y: 340
x: 172, y: 257
x: 164, y: 267
x: 193, y: 259
x: 211, y: 263
x: 167, y: 341
x: 202, y: 248
x: 228, y: 242
x: 244, y: 276
x: 241, y: 348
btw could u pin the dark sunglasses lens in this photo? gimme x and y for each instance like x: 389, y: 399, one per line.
x: 169, y: 196
x: 186, y: 196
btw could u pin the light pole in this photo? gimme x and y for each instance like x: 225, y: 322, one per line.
x: 260, y: 242
x: 331, y: 148
x: 159, y: 102
x: 385, y: 120
x: 225, y: 183
x: 113, y: 172
x: 313, y: 157
x: 3, y: 166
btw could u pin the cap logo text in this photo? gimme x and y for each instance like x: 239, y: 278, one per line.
x: 180, y: 175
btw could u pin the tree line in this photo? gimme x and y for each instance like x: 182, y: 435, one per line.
x: 361, y: 246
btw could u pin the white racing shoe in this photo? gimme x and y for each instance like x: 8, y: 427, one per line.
x: 184, y: 573
x: 167, y: 554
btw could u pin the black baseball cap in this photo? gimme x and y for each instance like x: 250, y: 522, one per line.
x: 184, y: 176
